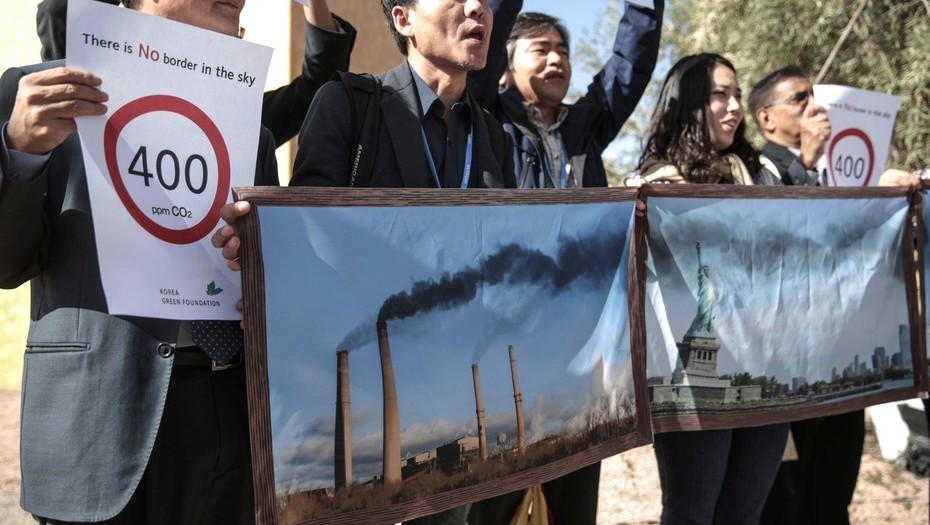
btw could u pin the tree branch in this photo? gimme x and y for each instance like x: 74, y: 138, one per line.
x: 839, y: 43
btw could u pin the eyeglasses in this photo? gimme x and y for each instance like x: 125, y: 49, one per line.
x: 795, y: 99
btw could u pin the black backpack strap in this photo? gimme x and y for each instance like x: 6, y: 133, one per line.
x: 497, y: 137
x: 502, y: 147
x: 365, y: 102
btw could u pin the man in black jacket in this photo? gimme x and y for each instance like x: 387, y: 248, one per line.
x: 559, y: 145
x: 556, y: 144
x: 432, y: 132
x: 817, y: 487
x: 796, y: 129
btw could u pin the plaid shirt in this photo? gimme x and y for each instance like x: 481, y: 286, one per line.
x: 552, y: 144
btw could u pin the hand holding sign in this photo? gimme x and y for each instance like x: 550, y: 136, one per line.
x: 861, y: 123
x: 181, y: 128
x: 46, y: 105
x: 815, y: 131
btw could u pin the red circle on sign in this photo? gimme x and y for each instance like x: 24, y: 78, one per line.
x: 859, y: 134
x: 149, y: 104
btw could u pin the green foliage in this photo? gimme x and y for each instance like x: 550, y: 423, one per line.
x: 886, y: 51
x: 770, y: 385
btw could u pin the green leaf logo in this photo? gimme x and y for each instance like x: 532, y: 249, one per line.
x: 212, y: 289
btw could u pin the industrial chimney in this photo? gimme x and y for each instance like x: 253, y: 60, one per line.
x: 391, y: 443
x: 518, y: 401
x: 343, y: 445
x: 479, y: 409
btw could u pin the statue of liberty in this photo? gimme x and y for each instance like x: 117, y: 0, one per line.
x: 703, y: 324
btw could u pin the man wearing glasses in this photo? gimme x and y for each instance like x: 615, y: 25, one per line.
x: 795, y: 128
x: 818, y: 486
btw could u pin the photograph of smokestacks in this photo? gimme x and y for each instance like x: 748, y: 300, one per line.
x: 754, y: 309
x: 431, y: 350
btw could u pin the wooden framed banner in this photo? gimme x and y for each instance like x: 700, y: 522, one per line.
x: 409, y: 351
x: 767, y: 305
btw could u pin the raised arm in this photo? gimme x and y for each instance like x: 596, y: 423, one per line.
x: 623, y: 79
x: 328, y: 44
x: 483, y: 83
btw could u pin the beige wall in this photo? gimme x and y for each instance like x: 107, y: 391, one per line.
x: 375, y: 50
x: 18, y: 42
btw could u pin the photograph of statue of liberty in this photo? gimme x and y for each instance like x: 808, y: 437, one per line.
x: 423, y: 357
x: 766, y: 310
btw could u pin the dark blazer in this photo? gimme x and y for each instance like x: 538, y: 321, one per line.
x: 323, y: 153
x: 51, y: 23
x: 595, y: 119
x: 790, y: 170
x: 284, y: 108
x: 94, y: 385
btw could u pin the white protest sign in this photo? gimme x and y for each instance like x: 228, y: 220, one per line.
x: 862, y: 122
x: 181, y: 129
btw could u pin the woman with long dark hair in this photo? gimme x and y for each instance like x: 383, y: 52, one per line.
x: 697, y: 136
x: 697, y: 132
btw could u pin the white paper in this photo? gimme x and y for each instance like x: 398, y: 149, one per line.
x: 183, y: 102
x: 890, y: 429
x: 862, y: 122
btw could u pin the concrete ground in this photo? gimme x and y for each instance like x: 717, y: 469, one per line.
x: 630, y: 495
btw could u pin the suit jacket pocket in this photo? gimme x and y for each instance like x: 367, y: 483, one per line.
x: 34, y: 348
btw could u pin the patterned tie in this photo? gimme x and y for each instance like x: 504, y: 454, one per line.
x: 221, y: 340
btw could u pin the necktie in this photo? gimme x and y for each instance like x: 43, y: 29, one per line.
x: 221, y: 340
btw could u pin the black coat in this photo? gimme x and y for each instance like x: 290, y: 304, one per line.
x: 323, y: 154
x: 595, y: 119
x: 790, y: 170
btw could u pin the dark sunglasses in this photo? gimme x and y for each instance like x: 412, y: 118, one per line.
x: 797, y: 98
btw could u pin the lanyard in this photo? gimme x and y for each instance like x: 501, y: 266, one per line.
x: 563, y: 172
x: 466, y: 171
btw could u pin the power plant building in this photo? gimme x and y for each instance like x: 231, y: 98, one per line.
x: 456, y: 456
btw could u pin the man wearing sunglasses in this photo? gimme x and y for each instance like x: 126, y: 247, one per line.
x: 817, y: 487
x: 795, y: 128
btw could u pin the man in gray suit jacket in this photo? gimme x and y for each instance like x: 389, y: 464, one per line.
x: 119, y: 423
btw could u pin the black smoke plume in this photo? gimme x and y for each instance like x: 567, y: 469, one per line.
x: 590, y: 259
